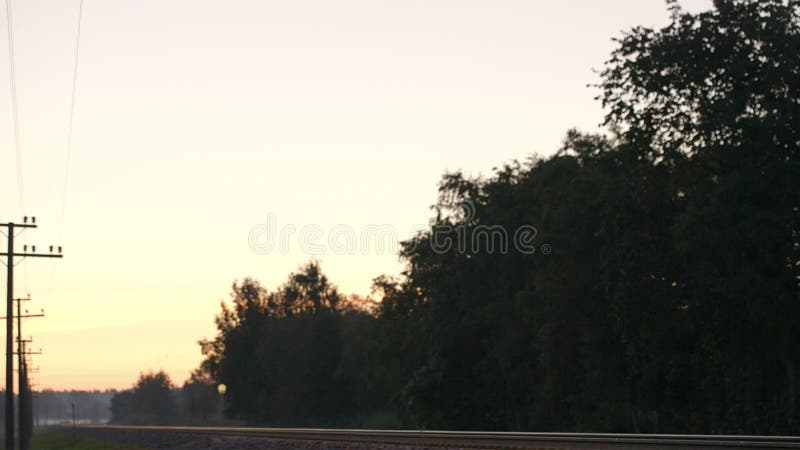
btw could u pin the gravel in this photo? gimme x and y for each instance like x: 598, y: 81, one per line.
x: 180, y: 440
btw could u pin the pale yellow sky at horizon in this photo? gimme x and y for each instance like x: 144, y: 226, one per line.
x: 196, y: 121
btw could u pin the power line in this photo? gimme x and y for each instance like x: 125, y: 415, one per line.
x: 71, y: 117
x: 69, y: 134
x: 14, y: 109
x: 15, y: 115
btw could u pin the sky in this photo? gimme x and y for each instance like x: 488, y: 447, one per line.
x: 213, y: 141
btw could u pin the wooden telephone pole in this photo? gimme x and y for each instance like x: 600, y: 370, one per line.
x: 23, y: 397
x: 11, y: 229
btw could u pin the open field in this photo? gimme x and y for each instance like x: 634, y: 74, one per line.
x: 62, y: 439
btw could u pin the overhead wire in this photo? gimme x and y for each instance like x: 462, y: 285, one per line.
x: 14, y: 107
x: 70, y: 127
x: 15, y: 118
x: 71, y: 120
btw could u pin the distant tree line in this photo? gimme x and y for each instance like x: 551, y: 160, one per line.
x: 52, y: 407
x: 155, y: 400
x: 660, y: 293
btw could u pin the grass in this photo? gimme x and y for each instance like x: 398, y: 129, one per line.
x: 55, y: 439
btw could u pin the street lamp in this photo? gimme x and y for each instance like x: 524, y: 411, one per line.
x: 221, y: 389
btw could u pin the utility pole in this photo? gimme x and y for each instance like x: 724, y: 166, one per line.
x: 10, y: 254
x: 23, y: 398
x: 73, y: 419
x: 24, y: 403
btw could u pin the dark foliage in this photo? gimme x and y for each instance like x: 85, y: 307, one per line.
x: 661, y: 295
x: 149, y: 402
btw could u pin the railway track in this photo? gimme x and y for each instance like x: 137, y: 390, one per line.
x: 479, y: 440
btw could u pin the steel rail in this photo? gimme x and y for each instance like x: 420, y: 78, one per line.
x: 487, y: 440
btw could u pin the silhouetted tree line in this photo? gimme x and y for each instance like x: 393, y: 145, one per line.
x: 150, y: 401
x: 661, y: 294
x: 283, y: 355
x: 155, y: 400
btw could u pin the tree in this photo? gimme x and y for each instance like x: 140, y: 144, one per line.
x: 280, y: 353
x: 201, y: 400
x: 149, y: 402
x: 714, y: 97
